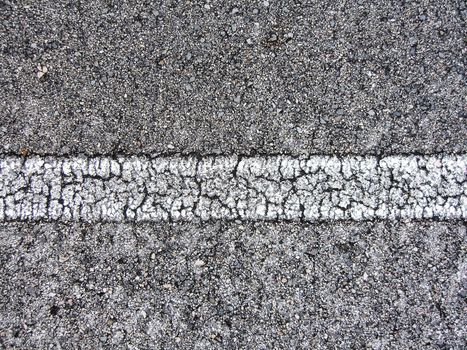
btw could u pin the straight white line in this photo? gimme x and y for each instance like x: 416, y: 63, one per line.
x: 314, y: 188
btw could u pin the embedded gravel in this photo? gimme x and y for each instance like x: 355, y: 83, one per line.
x: 150, y: 79
x: 229, y: 286
x: 243, y: 77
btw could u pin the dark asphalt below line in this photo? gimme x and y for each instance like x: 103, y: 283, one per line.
x: 230, y: 286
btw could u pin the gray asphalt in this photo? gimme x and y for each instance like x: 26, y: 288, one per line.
x: 233, y: 77
x: 231, y: 286
x: 221, y: 78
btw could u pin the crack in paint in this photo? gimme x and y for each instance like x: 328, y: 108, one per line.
x: 314, y: 188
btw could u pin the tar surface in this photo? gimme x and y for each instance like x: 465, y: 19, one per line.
x: 233, y: 77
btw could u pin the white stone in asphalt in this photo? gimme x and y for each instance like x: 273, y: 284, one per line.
x: 313, y: 188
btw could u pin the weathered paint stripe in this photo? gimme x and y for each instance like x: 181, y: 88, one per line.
x: 314, y: 188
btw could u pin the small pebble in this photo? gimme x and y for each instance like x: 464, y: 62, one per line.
x: 63, y: 258
x: 42, y: 71
x: 199, y: 263
x: 462, y: 231
x: 313, y: 252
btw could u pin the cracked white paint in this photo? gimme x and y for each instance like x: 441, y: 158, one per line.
x: 311, y: 188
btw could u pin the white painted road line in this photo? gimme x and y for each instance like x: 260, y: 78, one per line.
x: 314, y: 188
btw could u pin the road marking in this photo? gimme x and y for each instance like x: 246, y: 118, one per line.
x: 314, y: 188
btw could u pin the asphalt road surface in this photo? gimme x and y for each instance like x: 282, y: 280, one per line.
x: 233, y: 175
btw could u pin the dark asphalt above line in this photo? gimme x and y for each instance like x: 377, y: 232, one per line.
x: 360, y: 77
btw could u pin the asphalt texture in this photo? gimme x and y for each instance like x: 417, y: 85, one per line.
x: 243, y: 77
x: 230, y: 286
x: 175, y: 79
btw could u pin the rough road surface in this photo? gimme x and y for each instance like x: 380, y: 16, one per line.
x: 386, y: 285
x: 233, y: 77
x: 251, y: 174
